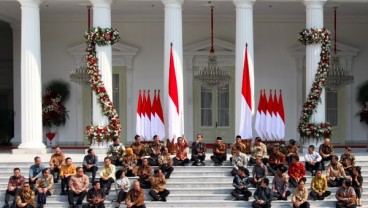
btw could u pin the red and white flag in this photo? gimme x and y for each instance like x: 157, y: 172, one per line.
x: 274, y: 115
x: 263, y: 114
x: 138, y: 125
x: 153, y: 115
x: 269, y: 116
x: 159, y: 117
x: 245, y: 130
x: 174, y: 122
x: 147, y: 116
x: 280, y: 118
x: 257, y: 125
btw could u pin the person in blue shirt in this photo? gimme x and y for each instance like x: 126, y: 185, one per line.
x: 35, y: 171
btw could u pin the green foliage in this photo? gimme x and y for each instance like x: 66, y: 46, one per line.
x: 362, y: 96
x: 59, y: 87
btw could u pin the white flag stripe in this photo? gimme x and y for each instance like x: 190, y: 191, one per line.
x: 245, y: 130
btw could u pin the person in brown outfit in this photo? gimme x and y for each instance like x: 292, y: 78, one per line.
x: 135, y: 196
x: 326, y: 151
x: 56, y: 161
x: 219, y: 152
x: 144, y: 173
x: 25, y: 197
x: 158, y: 191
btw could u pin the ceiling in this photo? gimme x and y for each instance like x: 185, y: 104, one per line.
x: 10, y: 10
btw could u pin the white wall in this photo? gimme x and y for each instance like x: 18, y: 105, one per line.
x: 275, y: 68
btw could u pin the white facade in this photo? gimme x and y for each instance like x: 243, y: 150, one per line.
x: 275, y: 61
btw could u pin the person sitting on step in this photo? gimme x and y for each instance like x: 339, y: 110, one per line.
x: 263, y: 195
x: 137, y: 148
x: 259, y: 172
x: 78, y: 185
x: 56, y: 161
x: 259, y: 150
x: 44, y: 187
x: 130, y: 162
x: 312, y: 160
x: 181, y: 157
x: 280, y: 184
x: 241, y: 184
x: 345, y: 195
x: 15, y: 184
x: 165, y: 162
x: 300, y: 195
x: 155, y: 148
x: 296, y: 171
x: 123, y: 185
x: 67, y: 171
x: 95, y: 196
x: 219, y: 152
x: 144, y: 173
x: 116, y: 152
x: 291, y: 150
x: 158, y: 191
x: 276, y: 160
x: 239, y: 160
x: 238, y: 142
x: 347, y: 160
x: 335, y: 172
x: 326, y: 151
x: 135, y: 196
x: 198, y: 151
x: 357, y: 183
x: 25, y: 197
x: 90, y: 162
x: 35, y: 171
x: 107, y: 175
x: 319, y: 186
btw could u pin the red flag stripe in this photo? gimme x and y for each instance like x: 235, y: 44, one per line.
x: 281, y: 108
x: 159, y: 108
x: 246, y: 88
x: 173, y: 86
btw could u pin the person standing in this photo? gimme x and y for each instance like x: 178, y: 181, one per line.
x: 44, y: 187
x: 56, y: 162
x: 67, y: 171
x: 95, y: 196
x: 326, y: 151
x: 107, y: 175
x: 158, y: 191
x: 219, y: 152
x: 135, y: 196
x: 198, y: 151
x: 116, y: 152
x: 78, y: 185
x: 300, y: 195
x: 319, y: 187
x: 90, y: 162
x: 35, y: 171
x: 15, y: 184
x: 263, y: 195
x: 312, y: 160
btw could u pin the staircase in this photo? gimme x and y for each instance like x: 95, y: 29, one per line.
x: 190, y: 186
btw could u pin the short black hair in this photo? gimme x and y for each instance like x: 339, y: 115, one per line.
x: 156, y: 171
x: 292, y: 141
x: 218, y: 138
x: 68, y: 158
x: 238, y: 136
x: 296, y: 157
x: 89, y: 150
x: 302, y: 179
x: 241, y: 168
x: 136, y: 137
x: 79, y: 167
x: 155, y: 136
x: 347, y: 182
x: 44, y: 170
x: 114, y: 139
x: 107, y: 158
x: 335, y: 157
x: 36, y: 158
x: 311, y: 146
x: 16, y: 169
x: 266, y: 181
x: 95, y: 182
x: 258, y: 139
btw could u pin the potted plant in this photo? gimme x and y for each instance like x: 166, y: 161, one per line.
x: 362, y: 98
x: 54, y: 113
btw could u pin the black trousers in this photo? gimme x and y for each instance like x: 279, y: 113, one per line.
x: 162, y: 194
x: 288, y: 159
x: 117, y: 162
x: 178, y: 162
x: 278, y: 195
x: 335, y: 183
x: 121, y: 196
x: 304, y: 205
x: 41, y: 197
x: 323, y: 161
x: 65, y: 182
x: 92, y: 169
x: 197, y: 158
x: 252, y: 161
x: 218, y: 159
x: 166, y: 170
x: 142, y: 206
x: 265, y: 205
x: 144, y: 184
x: 32, y: 183
x: 100, y: 205
x: 358, y: 192
x: 272, y: 168
x: 106, y: 185
x: 241, y: 194
x: 80, y: 196
x: 27, y: 206
x: 345, y: 206
x: 55, y: 172
x: 315, y: 196
x: 234, y: 172
x: 293, y: 182
x: 312, y: 168
x: 153, y: 161
x: 10, y: 193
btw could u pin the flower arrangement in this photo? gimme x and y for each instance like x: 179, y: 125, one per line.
x: 54, y: 112
x: 101, y: 37
x: 306, y: 129
x: 362, y: 98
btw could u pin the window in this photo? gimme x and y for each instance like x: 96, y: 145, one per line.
x: 332, y: 107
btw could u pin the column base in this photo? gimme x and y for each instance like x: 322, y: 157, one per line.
x: 33, y: 151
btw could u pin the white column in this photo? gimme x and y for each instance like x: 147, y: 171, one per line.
x: 314, y: 10
x: 102, y: 19
x: 174, y: 35
x: 31, y: 102
x: 244, y: 35
x: 16, y: 81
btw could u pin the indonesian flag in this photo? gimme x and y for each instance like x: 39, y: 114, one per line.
x: 174, y: 124
x: 159, y: 117
x: 263, y: 114
x: 246, y: 99
x: 269, y: 116
x: 153, y: 115
x: 138, y: 126
x: 257, y: 125
x: 274, y: 116
x: 147, y: 116
x: 280, y: 118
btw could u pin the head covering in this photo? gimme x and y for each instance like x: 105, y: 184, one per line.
x: 129, y: 151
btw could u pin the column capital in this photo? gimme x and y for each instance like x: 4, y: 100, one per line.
x: 173, y: 2
x: 314, y: 3
x: 30, y: 3
x: 244, y: 3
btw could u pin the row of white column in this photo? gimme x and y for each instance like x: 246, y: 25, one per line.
x: 31, y: 102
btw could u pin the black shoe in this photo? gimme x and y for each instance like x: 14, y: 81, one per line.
x: 163, y: 199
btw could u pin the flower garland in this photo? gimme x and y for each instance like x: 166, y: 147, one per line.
x: 316, y: 130
x: 101, y: 37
